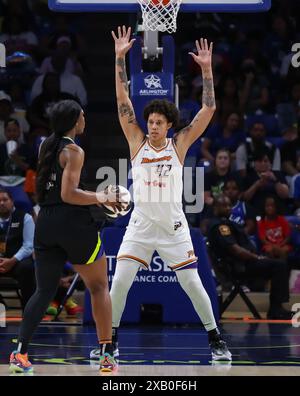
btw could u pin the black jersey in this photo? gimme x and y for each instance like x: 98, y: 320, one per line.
x: 53, y: 186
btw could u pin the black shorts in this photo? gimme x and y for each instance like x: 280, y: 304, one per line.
x: 67, y: 233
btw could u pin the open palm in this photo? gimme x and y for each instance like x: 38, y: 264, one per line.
x: 122, y: 41
x: 203, y: 58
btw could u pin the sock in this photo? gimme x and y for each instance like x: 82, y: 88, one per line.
x: 115, y: 334
x: 214, y: 335
x: 22, y: 348
x: 106, y: 347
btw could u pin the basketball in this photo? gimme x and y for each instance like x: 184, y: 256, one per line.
x: 126, y: 203
x: 160, y: 2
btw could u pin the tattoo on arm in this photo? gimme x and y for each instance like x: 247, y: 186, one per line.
x: 208, y: 97
x: 122, y: 73
x: 183, y: 131
x: 125, y: 110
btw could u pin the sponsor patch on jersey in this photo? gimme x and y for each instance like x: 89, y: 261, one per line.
x: 151, y: 160
x: 224, y: 230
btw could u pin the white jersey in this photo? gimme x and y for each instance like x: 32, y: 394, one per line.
x: 158, y: 185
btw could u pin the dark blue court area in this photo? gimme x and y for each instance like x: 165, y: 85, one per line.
x: 251, y: 344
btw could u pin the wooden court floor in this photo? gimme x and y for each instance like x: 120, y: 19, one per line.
x: 258, y: 349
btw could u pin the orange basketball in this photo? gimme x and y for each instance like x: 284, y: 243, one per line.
x: 159, y: 2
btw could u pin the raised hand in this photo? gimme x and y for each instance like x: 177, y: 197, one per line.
x: 204, y: 56
x: 122, y: 42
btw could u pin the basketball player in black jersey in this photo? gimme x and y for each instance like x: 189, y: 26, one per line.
x: 65, y: 231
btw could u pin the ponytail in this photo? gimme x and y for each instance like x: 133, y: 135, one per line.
x: 47, y: 156
x: 64, y: 116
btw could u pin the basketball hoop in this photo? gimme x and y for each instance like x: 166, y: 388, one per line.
x: 160, y: 15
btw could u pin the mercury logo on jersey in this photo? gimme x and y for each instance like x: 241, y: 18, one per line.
x: 151, y: 160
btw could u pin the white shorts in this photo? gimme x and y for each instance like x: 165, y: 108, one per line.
x: 143, y: 237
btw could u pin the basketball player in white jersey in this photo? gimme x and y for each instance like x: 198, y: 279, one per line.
x: 158, y: 222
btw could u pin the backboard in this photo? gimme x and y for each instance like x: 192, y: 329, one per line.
x: 187, y: 5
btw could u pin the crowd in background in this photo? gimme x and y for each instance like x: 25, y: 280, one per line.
x: 251, y: 150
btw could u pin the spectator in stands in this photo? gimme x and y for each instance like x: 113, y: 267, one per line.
x: 230, y: 136
x: 6, y: 112
x: 65, y: 25
x: 289, y: 112
x: 241, y: 212
x: 64, y: 46
x: 278, y: 41
x: 227, y: 98
x: 38, y: 112
x: 230, y: 243
x: 188, y: 106
x: 254, y: 89
x: 15, y: 157
x: 214, y: 180
x: 274, y: 231
x: 69, y: 83
x: 255, y: 144
x: 16, y: 246
x: 262, y: 182
x: 290, y: 154
x: 16, y: 35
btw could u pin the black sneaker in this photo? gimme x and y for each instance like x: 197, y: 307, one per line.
x: 279, y: 314
x: 219, y: 351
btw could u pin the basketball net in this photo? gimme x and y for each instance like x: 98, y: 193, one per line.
x: 160, y: 15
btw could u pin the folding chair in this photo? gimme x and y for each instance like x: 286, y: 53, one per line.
x: 226, y: 270
x: 68, y: 294
x: 9, y: 284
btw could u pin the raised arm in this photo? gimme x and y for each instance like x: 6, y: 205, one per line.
x: 132, y: 131
x: 186, y: 137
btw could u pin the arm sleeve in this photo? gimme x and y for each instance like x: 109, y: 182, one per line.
x: 28, y: 231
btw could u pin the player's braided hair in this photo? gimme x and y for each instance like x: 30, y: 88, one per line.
x: 63, y: 118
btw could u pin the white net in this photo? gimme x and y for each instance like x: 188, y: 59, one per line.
x: 160, y: 14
